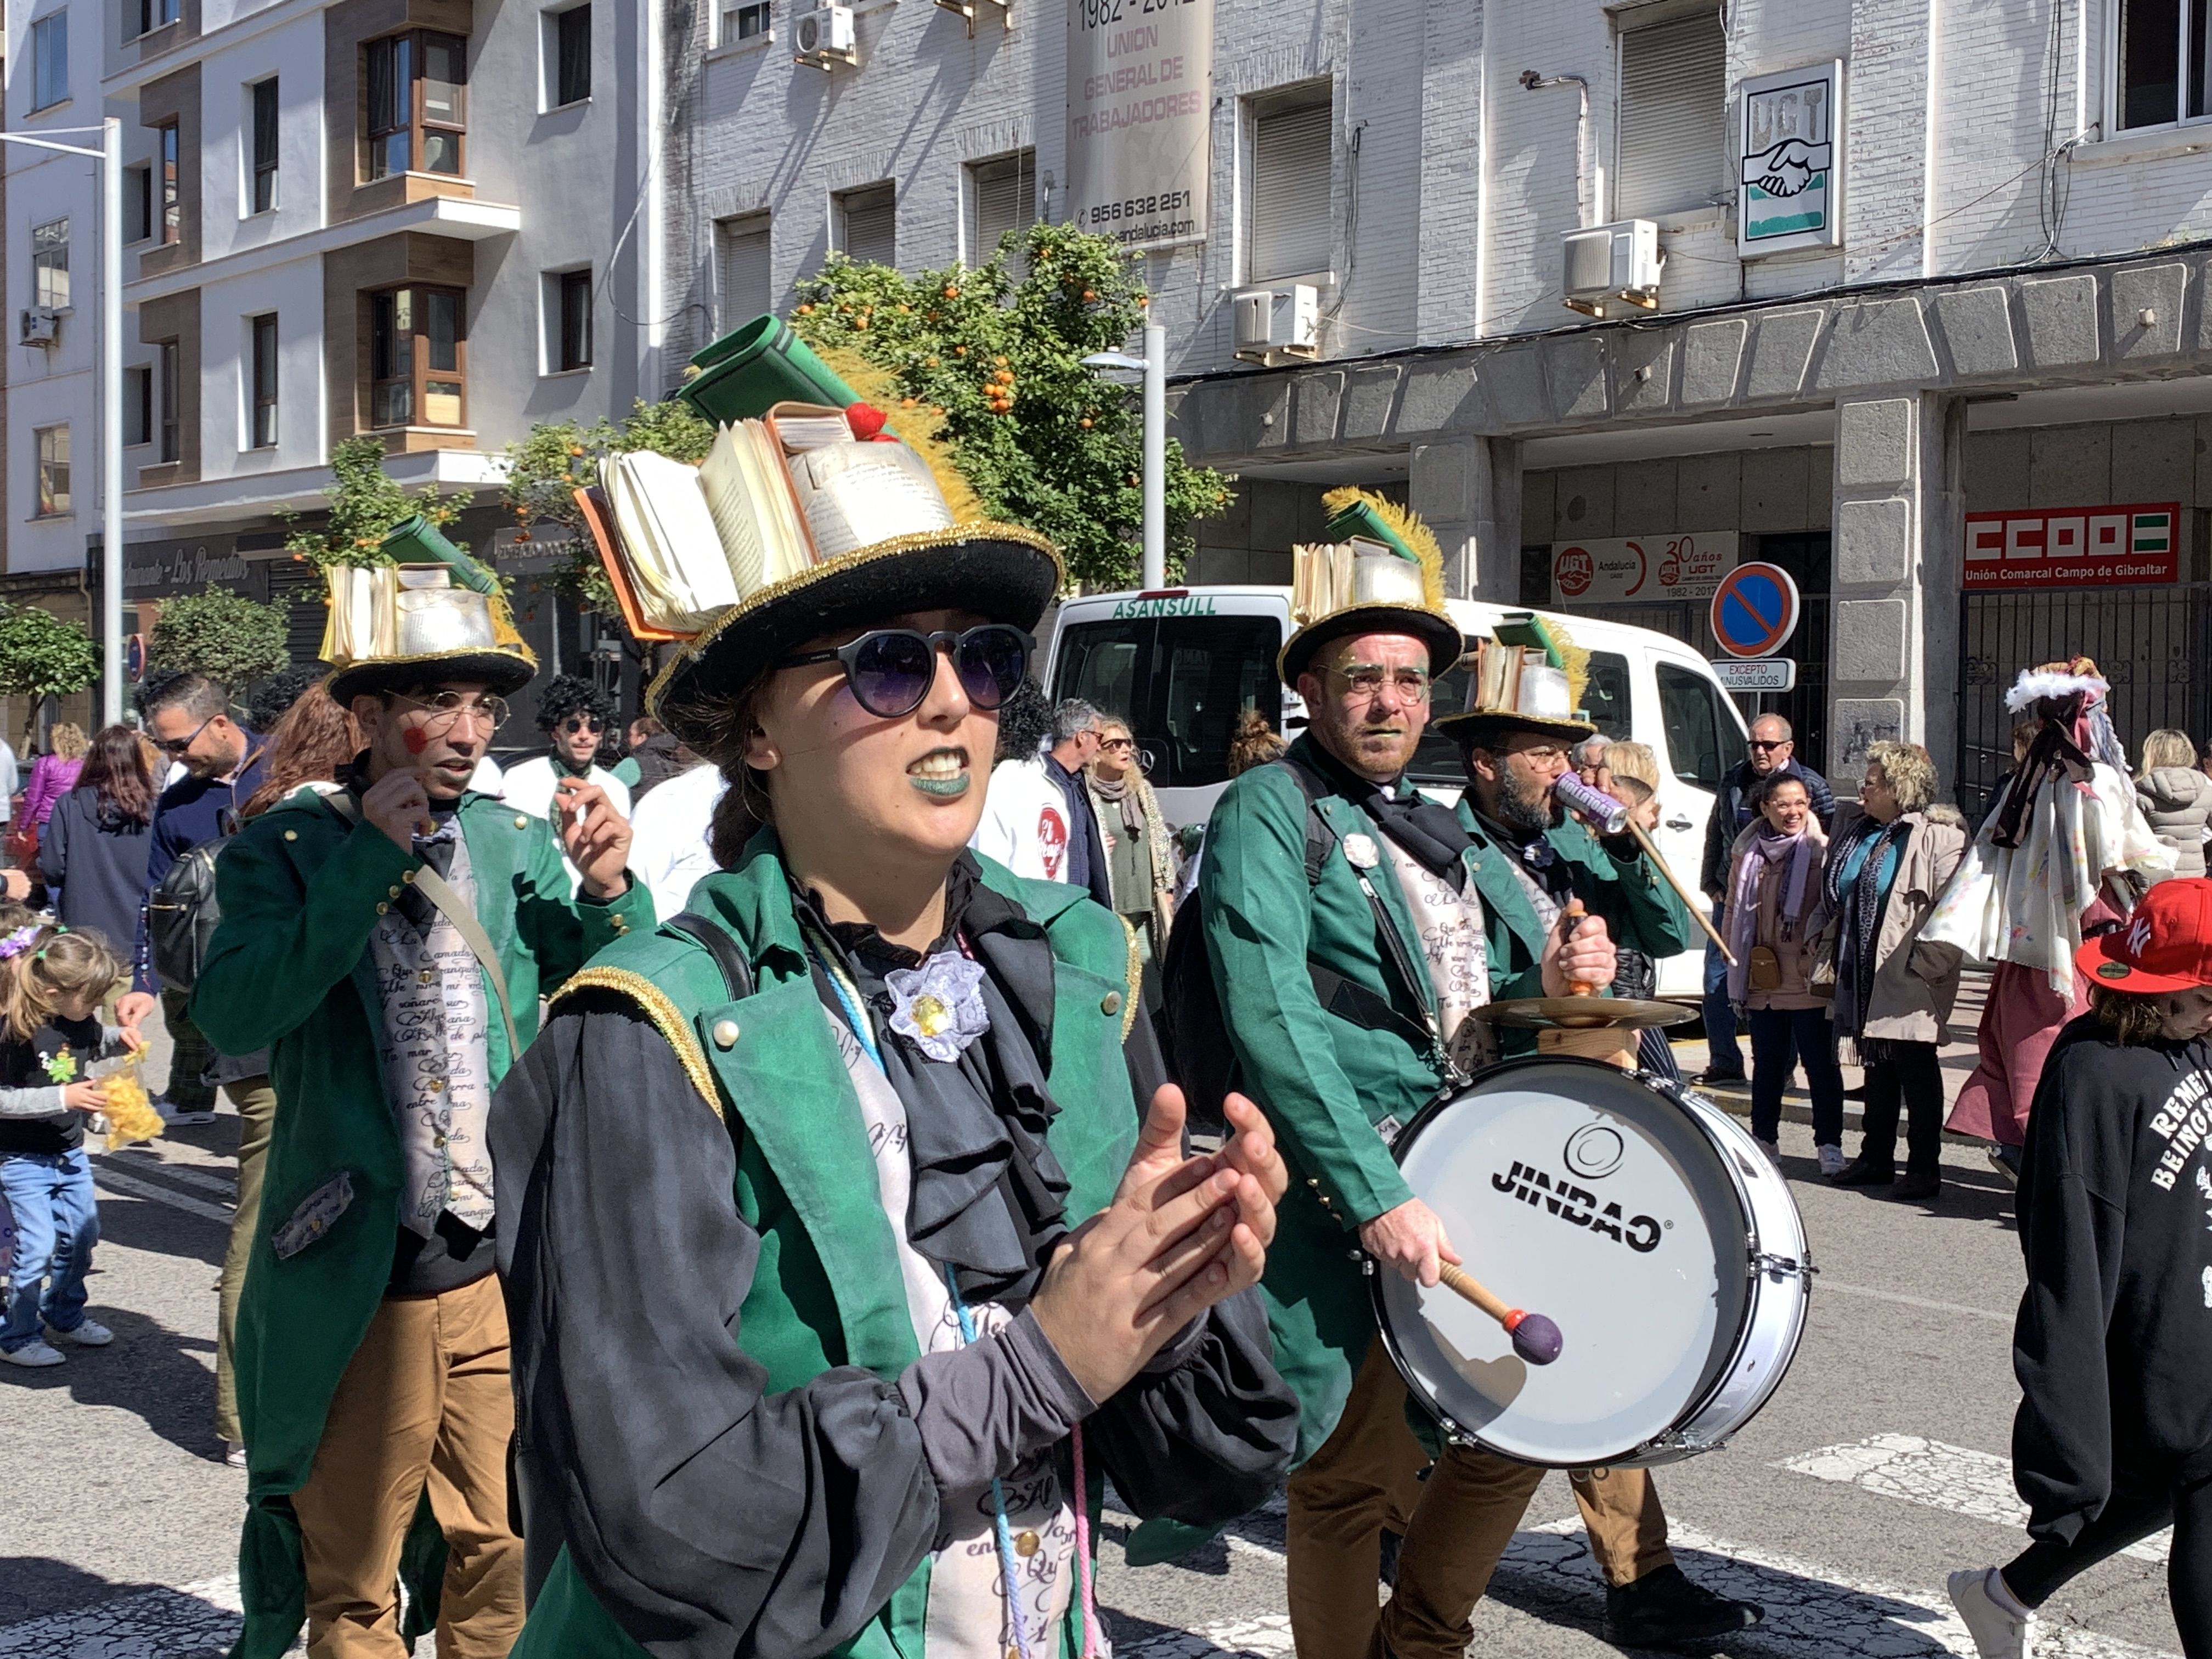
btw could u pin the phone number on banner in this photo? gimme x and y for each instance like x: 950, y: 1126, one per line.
x: 1103, y: 14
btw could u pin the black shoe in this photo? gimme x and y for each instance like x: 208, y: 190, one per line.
x: 1860, y: 1172
x: 1911, y: 1186
x: 1711, y: 1075
x: 2006, y: 1159
x: 1663, y: 1610
x: 1857, y: 1091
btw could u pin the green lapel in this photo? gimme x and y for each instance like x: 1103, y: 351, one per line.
x: 786, y: 1079
x: 1345, y: 819
x: 1489, y: 868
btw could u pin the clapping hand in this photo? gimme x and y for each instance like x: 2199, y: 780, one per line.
x: 1181, y: 1235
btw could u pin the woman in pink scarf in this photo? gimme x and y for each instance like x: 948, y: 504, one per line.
x: 1775, y: 911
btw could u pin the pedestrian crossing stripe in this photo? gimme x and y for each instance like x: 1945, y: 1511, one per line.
x: 2153, y: 533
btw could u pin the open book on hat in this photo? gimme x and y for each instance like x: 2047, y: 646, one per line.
x: 775, y: 497
x: 1528, y: 676
x: 389, y: 622
x: 1382, y: 573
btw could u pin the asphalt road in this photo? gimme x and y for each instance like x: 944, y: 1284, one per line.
x: 1878, y: 1469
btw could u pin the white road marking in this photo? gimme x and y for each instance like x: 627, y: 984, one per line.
x: 2000, y: 1317
x: 121, y: 1183
x: 1811, y: 1609
x: 224, y: 1186
x: 1976, y: 1484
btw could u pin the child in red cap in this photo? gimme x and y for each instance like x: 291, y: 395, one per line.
x: 2113, y: 1344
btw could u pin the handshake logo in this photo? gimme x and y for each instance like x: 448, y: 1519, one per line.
x: 1788, y: 167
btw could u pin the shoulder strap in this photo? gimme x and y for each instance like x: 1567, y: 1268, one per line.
x: 440, y: 891
x: 1410, y: 978
x: 1319, y: 837
x: 714, y: 939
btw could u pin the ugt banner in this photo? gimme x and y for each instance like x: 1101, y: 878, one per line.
x: 1140, y: 117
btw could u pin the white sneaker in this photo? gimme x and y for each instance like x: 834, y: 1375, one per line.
x: 170, y: 1115
x: 90, y: 1335
x: 1999, y: 1633
x: 1772, y: 1149
x: 233, y: 1453
x: 33, y: 1353
x: 1831, y: 1160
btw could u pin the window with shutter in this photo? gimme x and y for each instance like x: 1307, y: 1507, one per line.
x: 868, y: 224
x: 741, y: 269
x: 1001, y: 197
x: 1672, y: 134
x: 1287, y: 207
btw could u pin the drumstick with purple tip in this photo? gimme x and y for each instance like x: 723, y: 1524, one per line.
x: 1536, y: 1338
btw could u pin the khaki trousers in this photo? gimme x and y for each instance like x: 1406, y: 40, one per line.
x: 424, y: 1405
x: 1455, y: 1524
x: 255, y: 1098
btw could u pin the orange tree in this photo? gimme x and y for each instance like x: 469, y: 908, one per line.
x: 993, y: 354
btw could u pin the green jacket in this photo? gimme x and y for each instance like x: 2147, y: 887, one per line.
x: 1327, y: 1080
x: 827, y: 1291
x: 288, y: 970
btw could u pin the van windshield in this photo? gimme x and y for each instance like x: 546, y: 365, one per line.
x: 1436, y: 762
x: 1181, y: 682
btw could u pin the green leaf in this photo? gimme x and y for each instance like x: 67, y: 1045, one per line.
x: 221, y: 635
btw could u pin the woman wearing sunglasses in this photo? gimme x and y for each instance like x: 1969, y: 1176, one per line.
x: 842, y: 1274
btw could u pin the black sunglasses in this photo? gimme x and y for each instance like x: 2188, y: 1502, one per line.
x: 890, y: 670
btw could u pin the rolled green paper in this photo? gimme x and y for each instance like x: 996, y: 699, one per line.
x: 417, y: 541
x: 753, y: 367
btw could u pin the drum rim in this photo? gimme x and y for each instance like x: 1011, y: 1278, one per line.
x: 1668, y: 1087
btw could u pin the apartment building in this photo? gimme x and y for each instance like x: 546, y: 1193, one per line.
x: 1939, y: 359
x: 427, y: 220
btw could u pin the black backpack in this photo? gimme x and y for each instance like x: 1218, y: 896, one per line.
x: 181, y: 915
x: 1193, y: 1032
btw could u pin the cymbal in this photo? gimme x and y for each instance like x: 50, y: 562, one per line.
x: 1582, y: 1014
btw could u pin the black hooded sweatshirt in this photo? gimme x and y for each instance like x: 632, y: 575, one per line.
x: 2113, y: 1344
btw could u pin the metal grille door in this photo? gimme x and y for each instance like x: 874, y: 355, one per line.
x: 2146, y: 641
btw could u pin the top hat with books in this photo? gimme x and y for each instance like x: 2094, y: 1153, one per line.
x: 433, y: 614
x: 1526, y: 677
x: 805, y: 520
x: 1381, y: 572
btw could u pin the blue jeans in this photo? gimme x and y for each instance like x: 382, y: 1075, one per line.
x: 1781, y: 1040
x: 1723, y: 1053
x: 57, y: 1225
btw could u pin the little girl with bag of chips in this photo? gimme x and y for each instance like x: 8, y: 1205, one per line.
x: 51, y: 984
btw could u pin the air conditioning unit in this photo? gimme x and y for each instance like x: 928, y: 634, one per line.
x: 1612, y: 263
x: 40, y: 326
x: 1274, y: 325
x: 822, y: 35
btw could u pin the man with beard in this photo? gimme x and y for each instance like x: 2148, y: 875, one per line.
x: 1342, y: 1009
x: 1528, y: 859
x: 188, y: 718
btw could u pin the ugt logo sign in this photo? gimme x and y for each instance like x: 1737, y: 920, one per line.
x: 1571, y: 572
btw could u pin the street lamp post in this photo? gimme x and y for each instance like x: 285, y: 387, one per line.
x: 109, y: 155
x: 1154, y: 365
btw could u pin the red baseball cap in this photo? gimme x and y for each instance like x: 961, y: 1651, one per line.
x: 2166, y: 945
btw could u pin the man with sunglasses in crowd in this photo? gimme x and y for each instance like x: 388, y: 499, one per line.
x: 188, y: 718
x: 1773, y: 748
x: 390, y: 943
x: 576, y: 716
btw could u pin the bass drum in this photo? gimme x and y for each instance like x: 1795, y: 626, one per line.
x: 1644, y: 1221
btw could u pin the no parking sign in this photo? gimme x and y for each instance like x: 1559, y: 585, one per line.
x: 1754, y: 609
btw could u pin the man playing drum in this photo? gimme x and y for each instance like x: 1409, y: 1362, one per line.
x: 1527, y: 859
x: 1340, y: 1008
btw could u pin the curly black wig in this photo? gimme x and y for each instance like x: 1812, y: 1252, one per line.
x: 279, y: 692
x: 571, y: 694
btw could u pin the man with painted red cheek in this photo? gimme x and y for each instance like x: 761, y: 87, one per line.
x: 388, y: 943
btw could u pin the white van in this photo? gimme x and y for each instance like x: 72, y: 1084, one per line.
x: 1181, y: 664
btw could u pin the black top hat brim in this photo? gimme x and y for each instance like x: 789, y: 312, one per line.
x: 1441, y: 634
x: 1473, y: 727
x: 503, y: 672
x: 1000, y: 572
